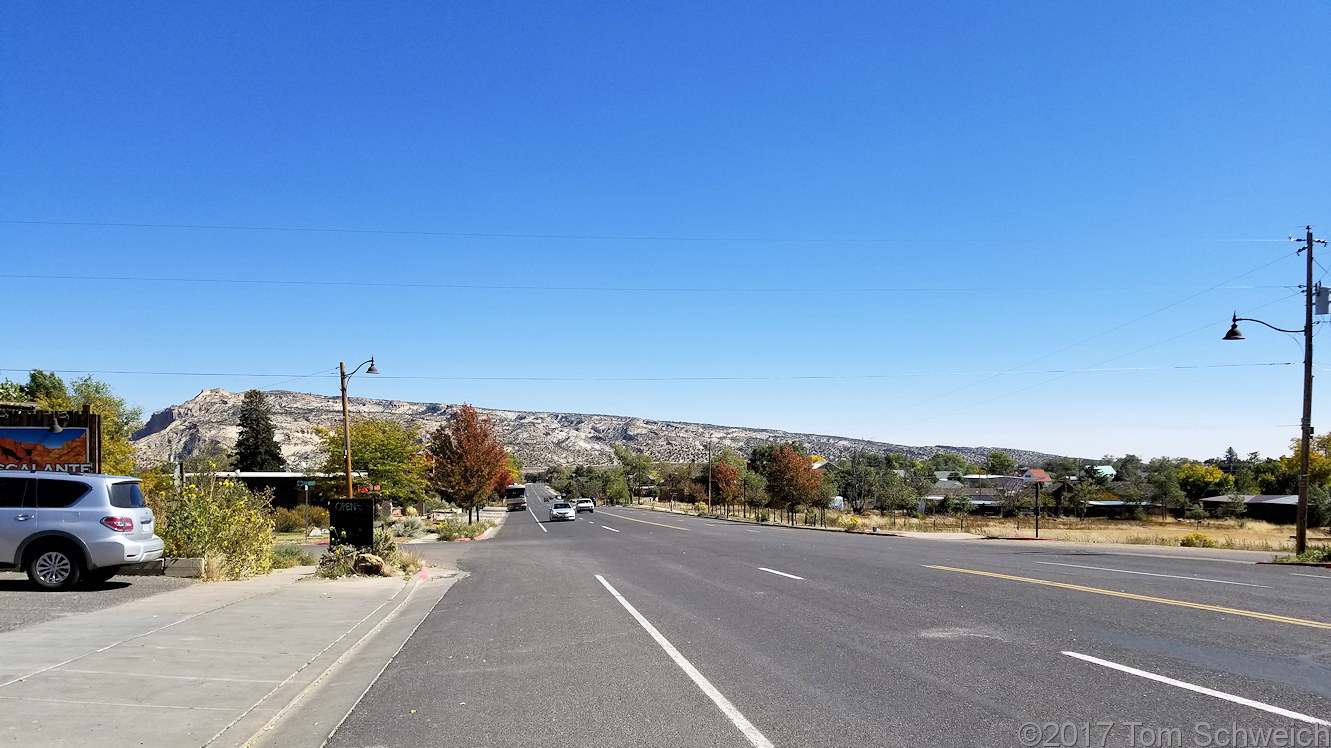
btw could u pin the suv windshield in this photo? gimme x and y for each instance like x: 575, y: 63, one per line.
x: 127, y: 495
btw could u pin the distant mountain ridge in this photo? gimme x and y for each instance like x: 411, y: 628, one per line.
x: 538, y: 439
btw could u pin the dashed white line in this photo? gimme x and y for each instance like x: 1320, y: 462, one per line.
x: 1198, y: 689
x: 748, y: 530
x: 608, y: 527
x: 756, y: 738
x: 1314, y: 576
x: 1149, y: 574
x: 538, y: 521
x: 774, y: 571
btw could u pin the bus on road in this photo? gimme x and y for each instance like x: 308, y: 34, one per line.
x: 515, y: 497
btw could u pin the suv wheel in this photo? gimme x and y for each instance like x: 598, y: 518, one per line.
x: 54, y: 567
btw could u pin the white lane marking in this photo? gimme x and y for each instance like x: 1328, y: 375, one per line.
x: 748, y: 530
x: 538, y: 521
x: 608, y: 527
x: 1149, y: 574
x: 774, y: 571
x: 756, y: 738
x: 1314, y: 576
x: 1199, y: 689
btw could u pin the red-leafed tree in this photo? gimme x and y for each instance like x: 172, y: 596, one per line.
x: 467, y: 459
x: 791, y: 480
x: 726, y: 479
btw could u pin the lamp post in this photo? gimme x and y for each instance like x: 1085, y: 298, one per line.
x: 1306, y: 427
x: 346, y: 416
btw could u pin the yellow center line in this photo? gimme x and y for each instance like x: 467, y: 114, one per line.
x: 645, y: 522
x: 1147, y: 598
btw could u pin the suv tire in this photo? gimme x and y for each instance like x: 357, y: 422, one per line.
x: 54, y: 566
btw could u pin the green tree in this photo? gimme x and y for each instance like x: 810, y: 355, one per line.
x: 617, y: 486
x: 47, y: 389
x: 467, y: 457
x: 998, y: 463
x: 637, y: 467
x: 119, y: 421
x: 388, y: 452
x: 256, y: 447
x: 1200, y: 481
x: 1162, y: 475
x: 940, y: 461
x: 12, y: 392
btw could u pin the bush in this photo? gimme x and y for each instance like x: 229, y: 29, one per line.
x: 319, y: 517
x: 1195, y: 513
x: 409, y: 562
x: 1196, y: 540
x: 1312, y: 555
x: 699, y: 508
x: 849, y: 522
x: 385, y: 545
x: 288, y: 520
x: 455, y: 530
x: 222, y: 522
x: 1137, y: 514
x: 409, y: 527
x: 287, y: 556
x: 336, y: 561
x: 411, y: 511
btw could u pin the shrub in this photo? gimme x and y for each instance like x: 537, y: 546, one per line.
x: 288, y: 520
x: 336, y: 561
x: 849, y: 522
x: 385, y: 544
x: 1137, y: 514
x: 409, y: 527
x: 222, y: 522
x: 454, y: 530
x: 287, y: 556
x: 411, y: 511
x: 699, y: 508
x: 319, y: 517
x: 409, y: 562
x: 1195, y: 513
x: 1196, y: 540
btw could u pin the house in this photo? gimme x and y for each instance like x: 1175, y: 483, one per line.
x: 1035, y: 475
x: 1280, y: 510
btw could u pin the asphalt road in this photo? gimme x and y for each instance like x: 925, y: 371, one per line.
x: 770, y: 636
x: 22, y: 604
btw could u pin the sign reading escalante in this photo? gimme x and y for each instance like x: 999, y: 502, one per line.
x: 65, y: 451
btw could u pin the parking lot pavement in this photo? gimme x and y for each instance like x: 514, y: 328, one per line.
x: 22, y: 604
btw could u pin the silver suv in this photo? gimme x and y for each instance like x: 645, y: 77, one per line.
x: 65, y: 527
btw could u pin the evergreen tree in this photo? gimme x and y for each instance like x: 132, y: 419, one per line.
x: 256, y: 449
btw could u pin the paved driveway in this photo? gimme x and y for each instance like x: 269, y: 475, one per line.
x: 21, y: 604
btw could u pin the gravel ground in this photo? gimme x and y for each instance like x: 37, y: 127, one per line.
x: 21, y: 604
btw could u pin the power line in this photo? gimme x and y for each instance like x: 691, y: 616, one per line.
x: 714, y: 378
x: 514, y: 235
x: 582, y: 289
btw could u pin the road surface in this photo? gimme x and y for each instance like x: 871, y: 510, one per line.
x: 637, y: 628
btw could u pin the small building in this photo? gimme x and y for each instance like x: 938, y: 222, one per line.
x: 1279, y: 510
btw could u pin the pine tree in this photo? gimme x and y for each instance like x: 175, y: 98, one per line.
x: 256, y: 449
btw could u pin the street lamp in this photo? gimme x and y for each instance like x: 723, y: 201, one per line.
x: 346, y: 417
x: 1305, y: 437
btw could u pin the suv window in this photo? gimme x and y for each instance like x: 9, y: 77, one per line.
x: 57, y: 494
x: 16, y: 492
x: 127, y: 495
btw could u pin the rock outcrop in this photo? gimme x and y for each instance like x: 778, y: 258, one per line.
x: 538, y: 439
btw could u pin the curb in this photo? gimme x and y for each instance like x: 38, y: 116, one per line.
x: 1000, y: 537
x: 1319, y: 564
x: 332, y: 692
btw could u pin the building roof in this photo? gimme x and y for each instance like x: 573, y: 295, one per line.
x: 1287, y: 500
x: 1036, y: 475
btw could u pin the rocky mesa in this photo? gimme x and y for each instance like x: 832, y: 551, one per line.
x: 538, y: 439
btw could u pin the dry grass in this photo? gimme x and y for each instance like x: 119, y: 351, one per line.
x: 1248, y: 535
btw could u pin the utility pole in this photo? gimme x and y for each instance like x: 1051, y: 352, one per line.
x: 1301, y: 516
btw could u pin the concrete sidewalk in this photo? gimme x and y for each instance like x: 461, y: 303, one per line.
x: 277, y: 660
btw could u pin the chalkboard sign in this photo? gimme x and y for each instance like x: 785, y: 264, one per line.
x: 352, y: 522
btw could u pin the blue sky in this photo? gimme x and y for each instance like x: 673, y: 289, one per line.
x: 1000, y: 224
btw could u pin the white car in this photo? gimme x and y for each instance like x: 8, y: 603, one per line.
x: 585, y: 505
x: 561, y: 510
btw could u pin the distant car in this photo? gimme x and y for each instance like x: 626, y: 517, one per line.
x: 586, y: 505
x: 561, y: 510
